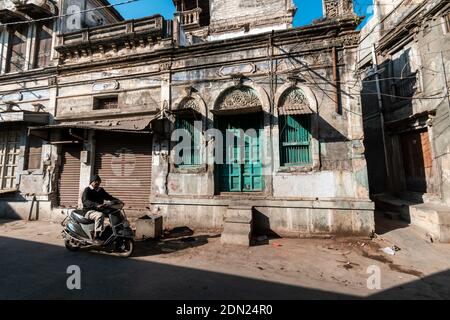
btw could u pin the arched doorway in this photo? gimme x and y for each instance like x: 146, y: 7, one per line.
x: 239, y: 116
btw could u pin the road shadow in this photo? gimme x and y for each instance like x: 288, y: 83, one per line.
x: 8, y: 213
x: 262, y: 230
x: 170, y: 245
x: 38, y: 270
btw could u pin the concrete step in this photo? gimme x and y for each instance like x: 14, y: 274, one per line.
x: 433, y: 218
x: 417, y: 197
x: 239, y: 214
x: 391, y: 204
x: 237, y: 226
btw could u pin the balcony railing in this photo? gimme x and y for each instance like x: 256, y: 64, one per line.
x: 190, y: 18
x: 126, y: 30
x: 36, y: 8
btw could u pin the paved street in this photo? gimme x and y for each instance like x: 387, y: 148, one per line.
x: 34, y: 263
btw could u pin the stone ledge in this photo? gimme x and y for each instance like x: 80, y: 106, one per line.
x: 339, y: 204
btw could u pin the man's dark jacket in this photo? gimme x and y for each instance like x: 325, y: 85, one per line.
x: 93, y: 198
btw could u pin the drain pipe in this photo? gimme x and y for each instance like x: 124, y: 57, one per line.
x: 381, y: 109
x: 336, y: 80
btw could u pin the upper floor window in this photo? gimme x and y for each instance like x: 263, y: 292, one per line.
x: 404, y: 75
x: 105, y: 103
x: 44, y: 41
x: 295, y: 140
x: 189, y: 156
x: 17, y: 49
x: 34, y: 153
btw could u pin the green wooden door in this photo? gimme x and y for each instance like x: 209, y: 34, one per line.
x: 252, y: 167
x: 242, y: 168
x: 231, y: 171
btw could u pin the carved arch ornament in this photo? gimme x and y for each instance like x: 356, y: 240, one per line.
x: 298, y: 96
x: 188, y: 103
x: 191, y: 101
x: 238, y: 98
x: 294, y: 101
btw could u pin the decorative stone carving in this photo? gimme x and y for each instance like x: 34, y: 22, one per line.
x: 337, y: 8
x: 52, y: 81
x: 165, y: 66
x: 238, y: 79
x: 293, y: 101
x: 351, y: 40
x: 188, y: 103
x: 237, y: 69
x: 106, y: 85
x: 238, y: 97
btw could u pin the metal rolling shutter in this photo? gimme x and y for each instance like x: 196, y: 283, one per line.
x: 124, y: 162
x: 69, y: 179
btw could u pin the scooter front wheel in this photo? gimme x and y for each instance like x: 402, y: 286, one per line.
x: 125, y: 247
x: 69, y: 246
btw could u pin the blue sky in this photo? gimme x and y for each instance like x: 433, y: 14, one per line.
x: 308, y: 10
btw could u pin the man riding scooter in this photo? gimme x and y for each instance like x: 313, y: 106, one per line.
x: 84, y: 228
x: 94, y: 207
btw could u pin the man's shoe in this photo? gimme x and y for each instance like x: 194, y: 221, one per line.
x: 97, y: 242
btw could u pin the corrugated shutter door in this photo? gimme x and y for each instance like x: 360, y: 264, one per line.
x: 69, y: 179
x: 124, y: 162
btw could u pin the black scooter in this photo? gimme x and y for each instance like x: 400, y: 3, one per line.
x: 118, y: 237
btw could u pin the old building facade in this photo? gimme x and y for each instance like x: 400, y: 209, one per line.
x: 28, y: 91
x: 404, y: 64
x: 121, y: 90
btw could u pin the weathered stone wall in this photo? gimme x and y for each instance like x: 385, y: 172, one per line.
x: 330, y: 195
x: 236, y: 18
x: 239, y: 9
x: 284, y: 218
x: 423, y: 59
x: 337, y: 8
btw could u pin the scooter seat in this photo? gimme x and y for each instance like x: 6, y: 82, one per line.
x: 78, y: 217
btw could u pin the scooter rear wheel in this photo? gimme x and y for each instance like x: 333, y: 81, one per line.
x: 125, y: 247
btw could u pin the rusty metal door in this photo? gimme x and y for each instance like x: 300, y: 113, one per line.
x: 69, y: 178
x: 417, y: 160
x: 124, y: 162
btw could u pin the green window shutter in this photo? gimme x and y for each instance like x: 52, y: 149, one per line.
x: 295, y: 140
x: 192, y: 156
